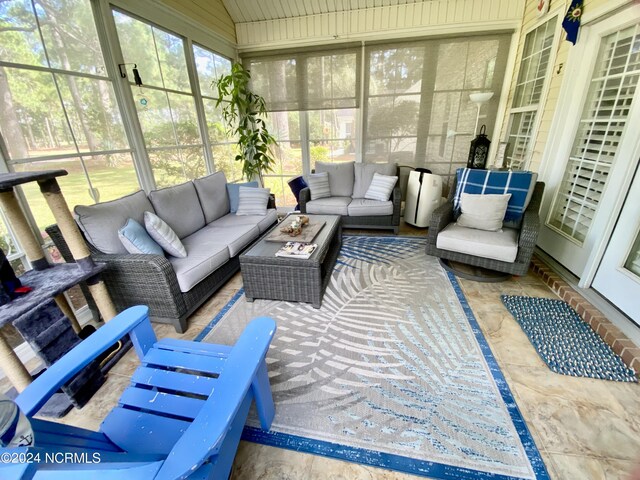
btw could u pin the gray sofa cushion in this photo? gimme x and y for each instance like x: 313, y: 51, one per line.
x: 179, y: 207
x: 206, y: 252
x: 363, y: 207
x: 364, y: 174
x: 262, y: 222
x: 237, y: 237
x: 212, y: 193
x: 329, y: 206
x: 341, y: 177
x: 502, y: 245
x: 100, y: 223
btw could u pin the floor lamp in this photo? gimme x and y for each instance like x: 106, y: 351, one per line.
x: 479, y: 98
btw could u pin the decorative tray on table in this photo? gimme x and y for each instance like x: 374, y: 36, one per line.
x: 299, y: 228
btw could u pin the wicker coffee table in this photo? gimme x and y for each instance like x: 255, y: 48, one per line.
x: 291, y: 279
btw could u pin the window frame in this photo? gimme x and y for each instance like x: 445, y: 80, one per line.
x: 539, y: 107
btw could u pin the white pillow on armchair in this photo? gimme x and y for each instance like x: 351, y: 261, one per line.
x: 483, y: 212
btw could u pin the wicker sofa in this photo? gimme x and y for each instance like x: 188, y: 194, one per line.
x: 526, y: 235
x: 349, y: 182
x: 173, y: 288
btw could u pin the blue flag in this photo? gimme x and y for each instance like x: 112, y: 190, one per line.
x: 571, y: 22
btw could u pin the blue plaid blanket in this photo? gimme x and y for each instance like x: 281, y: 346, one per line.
x: 476, y: 181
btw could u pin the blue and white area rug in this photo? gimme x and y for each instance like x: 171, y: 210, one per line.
x: 566, y: 343
x: 392, y: 371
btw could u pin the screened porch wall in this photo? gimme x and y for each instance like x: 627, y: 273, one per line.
x: 415, y: 109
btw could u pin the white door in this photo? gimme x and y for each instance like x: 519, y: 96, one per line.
x: 597, y: 135
x: 618, y: 278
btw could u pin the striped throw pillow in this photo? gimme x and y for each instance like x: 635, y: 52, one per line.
x: 164, y: 235
x: 319, y: 185
x: 381, y: 187
x: 253, y: 201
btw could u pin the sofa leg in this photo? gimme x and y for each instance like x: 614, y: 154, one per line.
x: 180, y: 325
x: 396, y: 229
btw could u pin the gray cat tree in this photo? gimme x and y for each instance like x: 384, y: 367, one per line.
x: 49, y: 333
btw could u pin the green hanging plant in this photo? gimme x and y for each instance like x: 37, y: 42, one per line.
x: 243, y: 112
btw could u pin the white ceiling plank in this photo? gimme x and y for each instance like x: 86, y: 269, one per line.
x: 247, y: 11
x: 232, y: 9
x: 315, y: 4
x: 279, y: 9
x: 264, y: 9
x: 298, y: 9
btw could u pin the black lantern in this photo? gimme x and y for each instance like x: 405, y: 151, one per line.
x: 479, y: 150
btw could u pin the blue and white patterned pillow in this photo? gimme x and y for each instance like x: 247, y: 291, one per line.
x: 481, y: 182
x: 137, y: 240
x: 319, y: 185
x: 164, y: 235
x: 253, y: 201
x: 381, y: 187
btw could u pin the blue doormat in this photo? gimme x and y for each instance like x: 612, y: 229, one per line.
x: 566, y: 343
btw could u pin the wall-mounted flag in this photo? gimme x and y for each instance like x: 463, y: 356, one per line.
x: 571, y: 22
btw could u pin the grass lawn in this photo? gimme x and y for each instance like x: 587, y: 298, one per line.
x: 113, y: 182
x: 110, y: 181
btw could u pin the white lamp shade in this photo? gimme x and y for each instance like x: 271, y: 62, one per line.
x: 480, y: 97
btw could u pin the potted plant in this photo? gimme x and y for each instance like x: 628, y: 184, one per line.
x: 243, y: 112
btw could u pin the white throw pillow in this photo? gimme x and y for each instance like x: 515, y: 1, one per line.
x: 164, y: 235
x: 252, y: 201
x: 319, y: 185
x: 381, y: 187
x: 483, y: 212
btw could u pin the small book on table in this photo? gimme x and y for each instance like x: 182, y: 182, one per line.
x: 297, y: 250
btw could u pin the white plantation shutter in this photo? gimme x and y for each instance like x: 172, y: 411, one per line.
x: 602, y: 123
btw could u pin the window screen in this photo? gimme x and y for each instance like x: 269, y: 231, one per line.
x: 307, y: 80
x: 417, y: 107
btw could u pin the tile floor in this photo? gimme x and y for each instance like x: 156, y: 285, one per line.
x: 585, y: 429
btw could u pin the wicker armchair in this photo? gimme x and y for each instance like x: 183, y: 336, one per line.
x: 529, y: 229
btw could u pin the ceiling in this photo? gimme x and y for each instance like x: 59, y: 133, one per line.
x: 242, y: 11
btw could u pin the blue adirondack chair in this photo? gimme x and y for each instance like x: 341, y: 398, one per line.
x: 181, y: 417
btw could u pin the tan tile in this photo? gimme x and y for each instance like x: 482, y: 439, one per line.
x: 127, y: 364
x: 103, y: 401
x: 578, y: 415
x: 539, y: 290
x: 590, y: 468
x: 261, y: 462
x: 322, y: 468
x: 509, y: 342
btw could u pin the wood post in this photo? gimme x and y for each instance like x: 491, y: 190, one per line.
x: 23, y: 231
x: 58, y: 205
x: 12, y: 366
